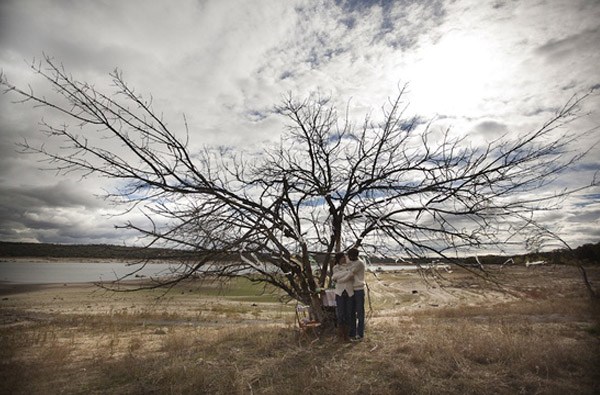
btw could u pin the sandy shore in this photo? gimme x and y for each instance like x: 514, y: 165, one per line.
x: 388, y: 294
x: 7, y: 288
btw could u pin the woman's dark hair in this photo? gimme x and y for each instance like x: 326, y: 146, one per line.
x: 338, y: 257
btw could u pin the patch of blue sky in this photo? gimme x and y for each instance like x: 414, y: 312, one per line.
x: 590, y: 166
x: 256, y: 115
x: 359, y: 5
x: 335, y: 137
x: 286, y: 74
x: 349, y: 22
x: 314, y: 202
x: 387, y: 191
x: 412, y: 123
x: 588, y: 200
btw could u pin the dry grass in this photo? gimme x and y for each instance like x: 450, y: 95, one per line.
x: 443, y: 340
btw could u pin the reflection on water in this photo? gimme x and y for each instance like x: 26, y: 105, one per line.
x: 73, y: 272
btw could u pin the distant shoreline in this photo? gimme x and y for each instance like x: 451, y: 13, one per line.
x: 37, y: 259
x: 10, y: 288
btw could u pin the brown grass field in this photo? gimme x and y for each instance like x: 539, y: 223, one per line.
x: 539, y: 334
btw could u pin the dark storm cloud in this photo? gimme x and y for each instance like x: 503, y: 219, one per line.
x: 491, y: 128
x: 28, y: 30
x: 561, y: 49
x: 7, y: 152
x: 590, y: 166
x: 54, y: 213
x: 62, y: 194
x: 584, y: 213
x: 26, y: 202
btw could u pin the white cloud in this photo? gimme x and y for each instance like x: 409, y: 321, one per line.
x: 482, y: 68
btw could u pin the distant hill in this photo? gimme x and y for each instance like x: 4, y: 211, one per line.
x: 586, y: 254
x: 89, y: 251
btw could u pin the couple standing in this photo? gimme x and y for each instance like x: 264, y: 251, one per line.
x: 349, y: 277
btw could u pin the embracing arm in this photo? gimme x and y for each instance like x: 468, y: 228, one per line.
x: 342, y: 275
x: 357, y: 267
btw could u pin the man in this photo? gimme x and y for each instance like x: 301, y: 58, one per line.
x: 357, y: 317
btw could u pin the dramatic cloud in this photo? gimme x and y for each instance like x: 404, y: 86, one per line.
x: 484, y: 69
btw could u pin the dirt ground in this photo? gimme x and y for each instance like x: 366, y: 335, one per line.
x: 79, y: 326
x: 205, y: 303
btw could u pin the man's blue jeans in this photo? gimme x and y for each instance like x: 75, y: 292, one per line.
x: 357, y: 318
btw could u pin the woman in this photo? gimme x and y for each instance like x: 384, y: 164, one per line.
x: 344, y: 290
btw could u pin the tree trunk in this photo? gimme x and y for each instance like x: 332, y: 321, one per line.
x: 586, y: 281
x: 324, y: 314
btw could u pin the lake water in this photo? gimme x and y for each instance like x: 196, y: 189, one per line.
x: 398, y: 268
x: 75, y: 272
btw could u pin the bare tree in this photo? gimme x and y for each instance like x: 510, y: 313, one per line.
x: 391, y: 186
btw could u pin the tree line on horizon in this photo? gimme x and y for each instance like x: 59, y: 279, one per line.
x: 588, y: 254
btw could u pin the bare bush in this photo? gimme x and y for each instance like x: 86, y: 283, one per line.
x: 390, y: 185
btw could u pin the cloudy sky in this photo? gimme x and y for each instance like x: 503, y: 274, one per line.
x: 482, y: 68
